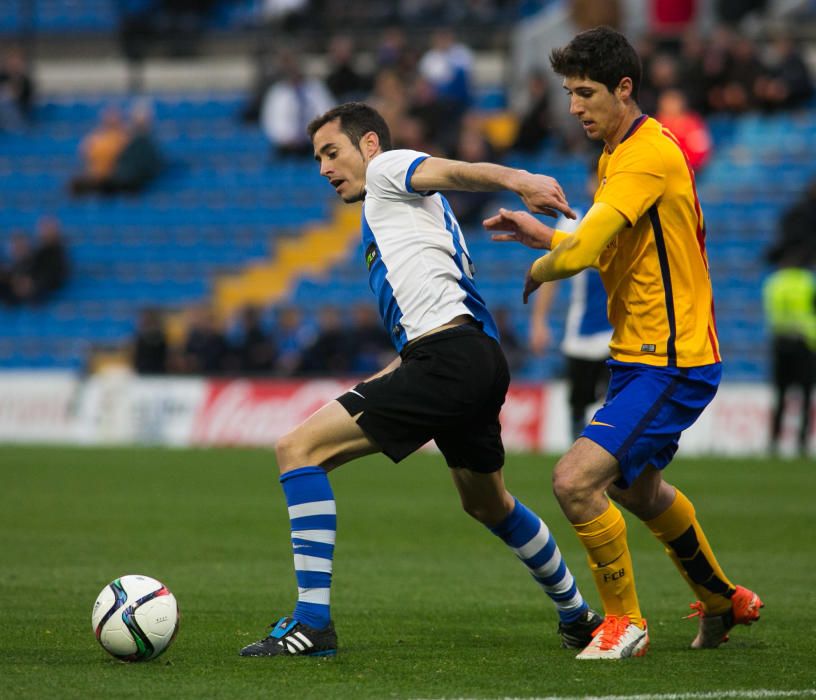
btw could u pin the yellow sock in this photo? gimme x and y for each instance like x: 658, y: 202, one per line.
x: 604, y: 539
x: 685, y: 542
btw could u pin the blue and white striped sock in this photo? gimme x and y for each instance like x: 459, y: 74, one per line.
x: 313, y: 518
x: 527, y: 535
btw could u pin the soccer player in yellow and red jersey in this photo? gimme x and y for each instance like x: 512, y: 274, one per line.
x: 646, y: 234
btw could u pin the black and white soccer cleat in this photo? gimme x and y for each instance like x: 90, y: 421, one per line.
x: 292, y: 638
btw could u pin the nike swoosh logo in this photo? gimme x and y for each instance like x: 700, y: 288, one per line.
x: 351, y: 391
x: 597, y: 422
x: 610, y: 562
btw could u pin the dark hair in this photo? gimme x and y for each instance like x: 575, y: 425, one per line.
x: 356, y: 120
x: 600, y: 54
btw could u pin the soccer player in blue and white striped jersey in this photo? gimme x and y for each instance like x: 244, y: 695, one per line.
x: 447, y: 384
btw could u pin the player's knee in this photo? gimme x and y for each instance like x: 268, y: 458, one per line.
x: 291, y: 452
x: 569, y: 485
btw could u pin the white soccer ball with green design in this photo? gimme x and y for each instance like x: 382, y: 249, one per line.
x: 135, y: 618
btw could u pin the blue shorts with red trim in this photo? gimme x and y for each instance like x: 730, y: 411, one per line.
x: 646, y: 410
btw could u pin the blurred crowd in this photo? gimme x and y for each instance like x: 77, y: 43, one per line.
x: 426, y: 91
x: 283, y: 341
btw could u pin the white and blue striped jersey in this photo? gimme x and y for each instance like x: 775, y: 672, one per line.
x: 587, y: 332
x: 419, y: 267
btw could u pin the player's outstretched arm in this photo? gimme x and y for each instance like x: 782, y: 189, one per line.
x: 521, y: 227
x: 540, y: 193
x: 571, y: 253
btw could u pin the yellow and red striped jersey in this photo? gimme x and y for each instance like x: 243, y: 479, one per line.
x: 655, y: 271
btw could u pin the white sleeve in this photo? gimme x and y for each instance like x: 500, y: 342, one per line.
x: 389, y: 175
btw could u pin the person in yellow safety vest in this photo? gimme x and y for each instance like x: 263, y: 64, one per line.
x: 789, y: 298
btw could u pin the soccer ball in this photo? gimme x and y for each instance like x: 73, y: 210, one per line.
x: 135, y: 618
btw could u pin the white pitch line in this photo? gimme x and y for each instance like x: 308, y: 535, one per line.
x: 712, y: 695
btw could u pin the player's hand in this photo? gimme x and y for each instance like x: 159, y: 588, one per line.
x: 542, y: 194
x: 523, y: 228
x: 530, y: 285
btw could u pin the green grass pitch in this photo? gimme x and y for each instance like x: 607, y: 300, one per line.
x: 427, y: 603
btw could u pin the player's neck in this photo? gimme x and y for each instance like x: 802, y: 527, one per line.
x: 627, y: 121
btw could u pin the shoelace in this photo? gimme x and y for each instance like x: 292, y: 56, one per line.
x: 612, y: 630
x: 697, y: 607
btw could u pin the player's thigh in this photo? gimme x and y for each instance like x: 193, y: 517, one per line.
x: 328, y: 438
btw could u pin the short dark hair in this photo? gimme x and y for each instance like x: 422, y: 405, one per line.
x: 356, y: 120
x: 600, y: 54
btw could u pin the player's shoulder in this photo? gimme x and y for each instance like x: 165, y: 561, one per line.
x: 645, y: 149
x: 659, y: 139
x: 389, y: 173
x: 394, y: 161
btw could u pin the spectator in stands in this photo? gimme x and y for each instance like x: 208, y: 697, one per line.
x: 448, y: 67
x: 662, y: 74
x: 688, y: 127
x: 787, y: 83
x: 393, y: 49
x: 121, y: 158
x: 15, y: 273
x: 266, y: 73
x: 49, y: 267
x: 410, y: 132
x: 99, y: 151
x: 586, y: 14
x: 534, y: 123
x: 140, y: 161
x: 181, y: 24
x: 292, y: 337
x: 136, y: 32
x: 289, y: 105
x: 691, y: 77
x: 390, y: 97
x: 205, y: 346
x: 370, y: 346
x: 670, y: 19
x: 344, y: 81
x: 440, y: 116
x: 789, y: 297
x: 16, y: 90
x: 796, y: 233
x: 35, y: 272
x: 254, y: 350
x: 395, y: 53
x: 281, y: 17
x: 149, y: 349
x: 736, y: 92
x: 734, y: 11
x: 330, y: 353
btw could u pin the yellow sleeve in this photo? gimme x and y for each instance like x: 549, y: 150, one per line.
x: 557, y: 237
x: 577, y: 251
x: 634, y: 181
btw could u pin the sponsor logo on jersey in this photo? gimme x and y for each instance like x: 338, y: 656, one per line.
x: 371, y: 255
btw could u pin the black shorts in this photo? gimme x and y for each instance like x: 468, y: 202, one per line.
x: 449, y: 388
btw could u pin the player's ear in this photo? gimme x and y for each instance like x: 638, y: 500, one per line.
x: 369, y: 144
x: 624, y: 89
